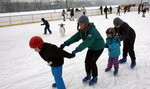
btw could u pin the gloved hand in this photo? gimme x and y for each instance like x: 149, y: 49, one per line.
x: 62, y: 46
x: 74, y: 52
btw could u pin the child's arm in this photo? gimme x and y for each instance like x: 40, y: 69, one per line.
x: 42, y: 24
x: 58, y: 52
x: 66, y: 54
x: 106, y: 44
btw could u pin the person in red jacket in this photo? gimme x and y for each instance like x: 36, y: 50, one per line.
x: 54, y: 56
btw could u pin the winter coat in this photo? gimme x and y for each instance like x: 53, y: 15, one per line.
x: 106, y: 10
x: 91, y: 39
x: 113, y: 45
x: 54, y: 55
x: 45, y: 22
x: 125, y: 32
x: 72, y: 12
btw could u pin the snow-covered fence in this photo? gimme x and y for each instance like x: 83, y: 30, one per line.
x: 32, y: 17
x: 27, y: 18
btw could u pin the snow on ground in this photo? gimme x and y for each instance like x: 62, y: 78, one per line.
x: 23, y: 68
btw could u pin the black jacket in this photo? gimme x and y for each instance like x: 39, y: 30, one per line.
x: 45, y: 22
x: 51, y: 53
x: 125, y: 32
x: 106, y: 10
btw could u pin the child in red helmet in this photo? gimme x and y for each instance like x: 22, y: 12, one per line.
x: 54, y: 56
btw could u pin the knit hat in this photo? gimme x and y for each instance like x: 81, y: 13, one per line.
x: 36, y: 41
x: 84, y: 19
x: 117, y: 21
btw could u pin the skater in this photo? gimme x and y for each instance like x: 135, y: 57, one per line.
x: 72, y: 14
x: 118, y: 10
x: 110, y: 10
x: 144, y: 11
x: 101, y: 10
x: 127, y: 34
x: 54, y: 56
x: 105, y: 11
x: 62, y: 30
x: 47, y: 26
x: 64, y: 15
x: 139, y: 8
x: 125, y: 9
x: 91, y: 40
x: 113, y: 45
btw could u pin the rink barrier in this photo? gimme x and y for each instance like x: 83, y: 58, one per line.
x: 51, y: 16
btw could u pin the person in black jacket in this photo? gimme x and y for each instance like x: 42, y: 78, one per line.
x: 101, y: 9
x: 47, y: 26
x: 110, y: 10
x: 127, y: 34
x: 118, y: 10
x: 105, y: 11
x: 54, y: 56
x: 72, y: 14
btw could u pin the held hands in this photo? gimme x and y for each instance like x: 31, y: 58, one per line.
x: 74, y: 52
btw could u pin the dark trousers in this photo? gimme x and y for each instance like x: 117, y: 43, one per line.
x: 90, y: 62
x: 106, y: 15
x: 113, y: 61
x: 45, y: 30
x: 64, y: 18
x: 128, y: 47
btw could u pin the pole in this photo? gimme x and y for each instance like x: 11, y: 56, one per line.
x: 67, y: 4
x: 141, y: 1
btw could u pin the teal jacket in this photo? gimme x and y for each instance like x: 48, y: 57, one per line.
x: 91, y: 39
x: 113, y: 45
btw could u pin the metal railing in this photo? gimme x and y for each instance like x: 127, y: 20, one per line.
x: 36, y: 17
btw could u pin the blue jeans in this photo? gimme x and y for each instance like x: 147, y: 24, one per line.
x: 57, y: 73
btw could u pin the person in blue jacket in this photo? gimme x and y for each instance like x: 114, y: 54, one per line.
x: 91, y: 40
x: 113, y: 45
x: 54, y: 56
x: 47, y: 26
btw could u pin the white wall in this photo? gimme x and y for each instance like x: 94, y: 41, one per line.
x: 24, y: 18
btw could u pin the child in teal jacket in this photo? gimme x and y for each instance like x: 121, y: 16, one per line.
x: 113, y: 45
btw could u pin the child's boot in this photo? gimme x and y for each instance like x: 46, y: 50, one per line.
x: 93, y: 81
x: 123, y: 60
x: 88, y: 77
x: 107, y: 69
x: 115, y: 72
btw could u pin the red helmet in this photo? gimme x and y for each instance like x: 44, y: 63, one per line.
x: 36, y: 41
